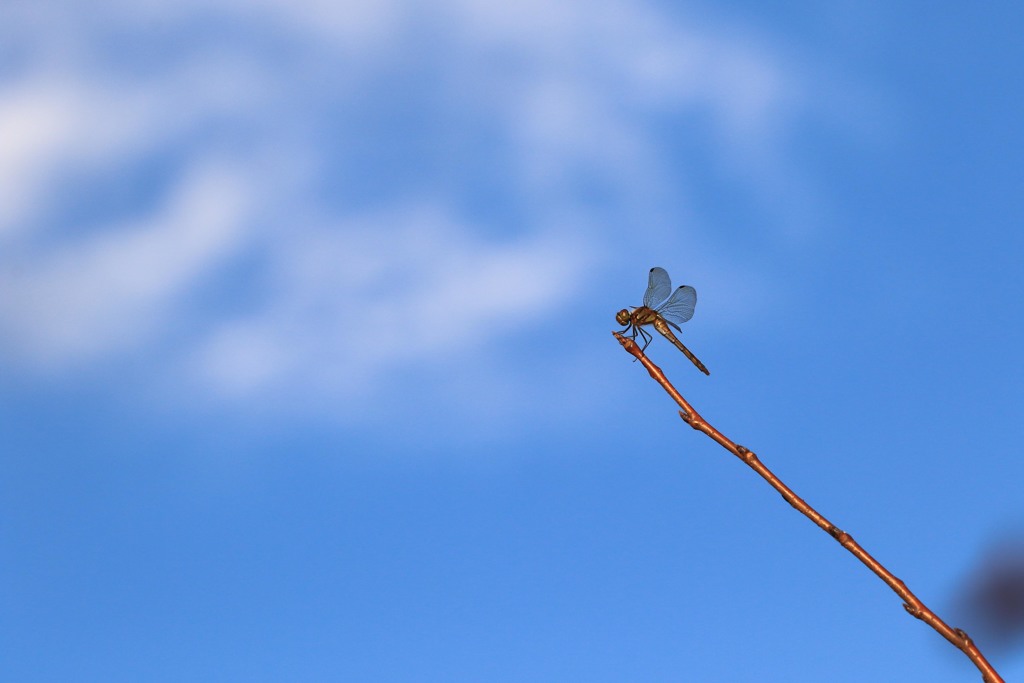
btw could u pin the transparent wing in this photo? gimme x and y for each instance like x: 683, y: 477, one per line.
x: 659, y: 286
x: 679, y: 308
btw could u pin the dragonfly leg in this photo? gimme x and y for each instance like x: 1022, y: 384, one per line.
x: 632, y: 331
x: 646, y: 337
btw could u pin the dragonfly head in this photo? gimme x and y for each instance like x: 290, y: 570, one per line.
x: 622, y: 317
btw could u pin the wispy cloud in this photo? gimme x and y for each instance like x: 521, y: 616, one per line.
x: 348, y: 304
x: 98, y: 295
x: 377, y: 165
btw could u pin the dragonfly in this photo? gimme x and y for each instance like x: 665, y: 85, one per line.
x: 663, y: 312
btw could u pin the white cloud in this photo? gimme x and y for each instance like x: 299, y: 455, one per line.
x: 384, y: 291
x: 544, y: 96
x: 47, y: 125
x: 54, y: 125
x: 114, y: 290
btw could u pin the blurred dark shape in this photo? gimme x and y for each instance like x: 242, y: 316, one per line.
x: 992, y: 600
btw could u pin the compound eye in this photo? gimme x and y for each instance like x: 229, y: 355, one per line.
x: 622, y: 317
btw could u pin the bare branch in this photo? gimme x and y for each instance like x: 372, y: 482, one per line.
x: 911, y: 603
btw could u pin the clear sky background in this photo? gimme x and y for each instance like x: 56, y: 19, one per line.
x: 305, y: 364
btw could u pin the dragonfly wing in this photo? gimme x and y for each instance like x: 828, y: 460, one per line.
x: 679, y: 308
x: 659, y: 286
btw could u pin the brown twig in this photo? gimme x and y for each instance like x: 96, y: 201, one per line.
x: 911, y: 603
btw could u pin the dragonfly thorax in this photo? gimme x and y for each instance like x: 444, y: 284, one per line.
x: 643, y: 316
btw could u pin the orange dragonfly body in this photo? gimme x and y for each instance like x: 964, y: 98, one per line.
x: 663, y: 309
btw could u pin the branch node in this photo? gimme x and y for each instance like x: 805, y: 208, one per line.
x: 962, y: 634
x: 912, y: 611
x: 746, y: 454
x: 693, y: 419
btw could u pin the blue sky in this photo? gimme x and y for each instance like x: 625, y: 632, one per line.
x: 305, y: 364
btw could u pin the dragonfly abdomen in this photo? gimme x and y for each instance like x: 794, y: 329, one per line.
x: 661, y: 326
